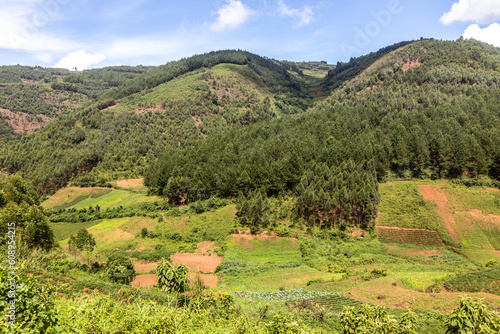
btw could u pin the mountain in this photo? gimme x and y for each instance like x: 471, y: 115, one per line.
x: 427, y: 109
x: 117, y: 119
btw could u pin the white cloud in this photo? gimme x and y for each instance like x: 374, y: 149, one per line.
x: 80, y: 60
x: 22, y: 24
x: 490, y: 34
x: 304, y: 16
x: 479, y: 11
x: 231, y: 16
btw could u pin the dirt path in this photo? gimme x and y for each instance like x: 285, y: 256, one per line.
x: 432, y: 194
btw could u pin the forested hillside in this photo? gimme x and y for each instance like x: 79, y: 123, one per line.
x: 117, y: 131
x: 428, y: 109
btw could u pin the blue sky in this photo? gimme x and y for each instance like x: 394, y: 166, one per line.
x: 90, y: 33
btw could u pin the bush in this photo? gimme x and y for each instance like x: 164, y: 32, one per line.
x: 172, y: 278
x: 472, y: 316
x: 34, y: 305
x: 375, y: 320
x: 120, y: 268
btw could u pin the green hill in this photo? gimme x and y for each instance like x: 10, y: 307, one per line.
x: 129, y: 115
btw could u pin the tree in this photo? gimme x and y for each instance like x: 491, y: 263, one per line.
x: 120, y: 268
x: 172, y: 278
x: 19, y: 205
x: 83, y: 241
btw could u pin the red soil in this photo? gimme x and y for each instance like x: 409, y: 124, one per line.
x: 203, y: 263
x: 432, y: 194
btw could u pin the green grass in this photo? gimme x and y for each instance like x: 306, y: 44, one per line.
x: 208, y: 226
x: 268, y: 251
x: 402, y: 205
x: 63, y: 231
x: 79, y: 198
x: 462, y: 198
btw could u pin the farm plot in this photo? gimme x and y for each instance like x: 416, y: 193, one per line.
x: 480, y: 281
x: 409, y: 235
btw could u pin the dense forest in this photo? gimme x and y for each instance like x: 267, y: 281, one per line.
x: 437, y: 119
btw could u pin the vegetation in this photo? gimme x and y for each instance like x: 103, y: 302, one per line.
x: 302, y: 193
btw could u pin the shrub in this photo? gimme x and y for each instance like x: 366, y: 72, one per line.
x: 375, y: 320
x: 34, y: 305
x: 172, y: 278
x: 472, y: 316
x: 120, y: 268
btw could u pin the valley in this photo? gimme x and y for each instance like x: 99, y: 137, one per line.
x: 229, y: 192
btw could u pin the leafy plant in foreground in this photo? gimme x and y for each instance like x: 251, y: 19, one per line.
x: 473, y: 316
x: 172, y: 278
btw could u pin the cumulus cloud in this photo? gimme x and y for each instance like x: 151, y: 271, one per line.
x: 80, y: 60
x: 303, y: 16
x: 231, y: 16
x: 479, y: 11
x: 490, y: 34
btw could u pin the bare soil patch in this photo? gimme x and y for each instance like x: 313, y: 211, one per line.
x: 129, y: 183
x: 144, y: 266
x: 209, y: 280
x: 144, y: 281
x: 111, y: 107
x: 205, y: 248
x: 24, y: 123
x: 244, y: 237
x: 203, y: 263
x: 410, y: 64
x: 197, y: 120
x: 491, y: 218
x: 430, y: 193
x: 23, y: 80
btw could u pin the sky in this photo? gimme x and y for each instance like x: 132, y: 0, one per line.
x: 85, y: 34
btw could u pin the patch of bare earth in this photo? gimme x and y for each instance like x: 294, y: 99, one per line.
x: 27, y: 81
x: 205, y: 248
x: 144, y: 281
x: 245, y: 238
x: 111, y: 107
x: 129, y: 183
x: 197, y: 120
x: 204, y: 263
x: 430, y: 193
x: 145, y: 266
x: 153, y: 108
x: 24, y: 123
x: 410, y: 64
x: 209, y: 280
x: 490, y: 219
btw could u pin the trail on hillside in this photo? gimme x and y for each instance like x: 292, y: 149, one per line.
x: 432, y: 194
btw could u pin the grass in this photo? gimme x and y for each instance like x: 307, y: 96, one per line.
x: 63, y: 231
x: 267, y: 251
x: 402, y: 205
x: 461, y: 198
x: 79, y: 198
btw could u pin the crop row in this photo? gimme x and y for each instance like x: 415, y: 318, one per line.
x: 414, y: 236
x: 285, y: 295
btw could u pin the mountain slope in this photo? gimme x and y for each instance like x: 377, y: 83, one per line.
x: 428, y: 109
x: 169, y: 106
